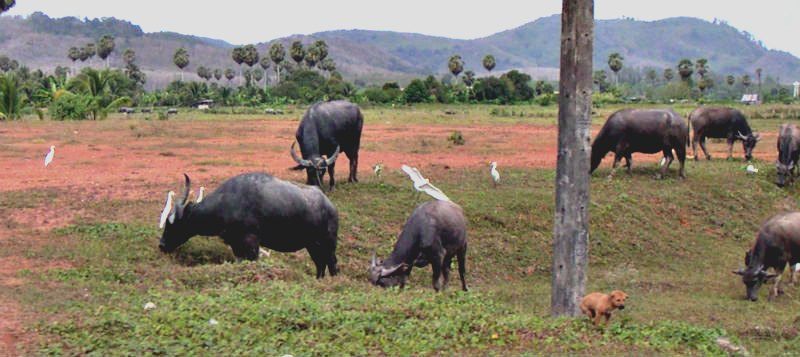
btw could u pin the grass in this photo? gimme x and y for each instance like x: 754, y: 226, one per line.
x: 670, y: 244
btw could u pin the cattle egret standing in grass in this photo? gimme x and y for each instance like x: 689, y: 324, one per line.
x: 378, y: 169
x: 49, y: 158
x: 752, y: 169
x: 494, y: 172
x: 422, y: 184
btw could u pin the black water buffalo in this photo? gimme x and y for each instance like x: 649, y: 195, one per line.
x: 253, y: 210
x: 777, y: 243
x: 435, y: 232
x: 642, y: 130
x: 722, y: 123
x: 788, y: 153
x: 326, y: 129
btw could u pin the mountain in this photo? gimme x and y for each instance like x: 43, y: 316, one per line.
x: 376, y: 56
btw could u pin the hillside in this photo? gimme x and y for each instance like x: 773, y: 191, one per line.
x: 376, y: 56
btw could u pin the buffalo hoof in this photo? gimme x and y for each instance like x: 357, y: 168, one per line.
x: 708, y: 157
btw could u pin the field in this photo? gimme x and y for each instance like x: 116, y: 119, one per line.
x: 79, y: 256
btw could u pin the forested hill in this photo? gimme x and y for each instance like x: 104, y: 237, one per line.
x: 374, y: 56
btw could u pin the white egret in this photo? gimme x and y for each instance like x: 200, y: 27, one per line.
x: 495, y: 174
x: 422, y: 184
x: 49, y: 158
x: 378, y: 169
x: 263, y: 252
x: 167, y: 210
x: 752, y: 169
x: 201, y: 195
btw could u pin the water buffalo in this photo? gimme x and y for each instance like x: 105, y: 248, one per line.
x: 253, y: 210
x: 642, y: 130
x: 327, y: 128
x: 788, y: 153
x: 435, y: 232
x: 777, y: 243
x: 722, y: 123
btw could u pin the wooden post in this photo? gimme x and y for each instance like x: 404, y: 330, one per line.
x: 571, y: 228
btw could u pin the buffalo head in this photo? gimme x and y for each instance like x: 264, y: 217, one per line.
x: 753, y: 278
x: 315, y: 166
x: 176, y: 229
x: 784, y: 173
x: 383, y: 276
x: 748, y: 143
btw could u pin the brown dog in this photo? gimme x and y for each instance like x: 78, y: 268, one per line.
x: 596, y: 305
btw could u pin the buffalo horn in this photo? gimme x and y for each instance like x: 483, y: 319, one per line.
x: 331, y: 160
x: 301, y: 162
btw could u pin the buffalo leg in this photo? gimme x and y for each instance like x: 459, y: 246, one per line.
x: 703, y: 146
x: 669, y: 157
x: 681, y: 151
x: 353, y: 167
x: 320, y: 260
x: 461, y: 256
x: 617, y: 159
x: 730, y: 148
x: 695, y: 139
x: 331, y: 176
x: 448, y: 261
x: 244, y: 248
x: 777, y: 288
x: 436, y: 264
x: 629, y: 163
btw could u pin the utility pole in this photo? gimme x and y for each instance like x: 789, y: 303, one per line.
x: 571, y: 228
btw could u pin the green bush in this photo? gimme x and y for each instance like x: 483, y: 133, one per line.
x: 417, y: 92
x: 71, y: 106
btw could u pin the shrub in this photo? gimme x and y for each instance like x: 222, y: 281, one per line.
x: 71, y: 106
x: 417, y: 92
x: 457, y: 138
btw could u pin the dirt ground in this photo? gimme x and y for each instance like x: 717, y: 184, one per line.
x: 124, y: 159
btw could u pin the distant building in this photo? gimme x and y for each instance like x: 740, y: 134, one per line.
x: 750, y: 99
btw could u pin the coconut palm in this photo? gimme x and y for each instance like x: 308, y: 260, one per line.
x: 84, y: 54
x: 6, y: 4
x: 237, y: 54
x: 489, y: 63
x: 312, y: 56
x: 11, y: 98
x: 277, y: 54
x: 297, y: 52
x: 265, y: 63
x: 91, y: 51
x: 181, y: 59
x: 685, y: 69
x: 104, y: 48
x: 322, y: 50
x: 615, y: 61
x: 230, y: 74
x: 668, y: 74
x: 701, y: 67
x: 218, y: 74
x: 129, y: 56
x: 730, y: 79
x: 456, y: 65
x: 746, y: 81
x: 74, y: 54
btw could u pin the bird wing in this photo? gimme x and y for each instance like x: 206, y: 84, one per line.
x: 434, y: 192
x: 49, y: 158
x: 496, y: 175
x: 414, y: 174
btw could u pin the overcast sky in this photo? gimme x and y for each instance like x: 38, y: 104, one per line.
x: 775, y: 22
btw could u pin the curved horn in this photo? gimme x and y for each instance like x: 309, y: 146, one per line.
x: 331, y: 160
x: 168, y: 207
x: 301, y: 162
x: 201, y: 195
x: 186, y: 189
x: 739, y: 134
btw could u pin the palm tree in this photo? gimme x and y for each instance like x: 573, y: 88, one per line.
x: 489, y: 63
x: 668, y: 74
x: 730, y: 79
x: 701, y: 67
x: 84, y: 54
x: 615, y: 61
x: 746, y: 82
x: 455, y: 65
x: 312, y: 56
x: 258, y: 75
x: 74, y: 54
x: 328, y: 65
x: 11, y: 100
x: 685, y: 69
x: 97, y: 85
x: 181, y: 59
x: 322, y: 50
x: 129, y: 56
x: 705, y: 83
x: 5, y: 5
x: 277, y: 54
x: 297, y: 52
x: 218, y: 74
x: 104, y: 48
x: 265, y: 63
x: 237, y: 54
x: 250, y: 55
x: 248, y: 76
x: 652, y: 76
x: 758, y: 79
x: 230, y: 74
x: 91, y: 51
x: 469, y: 78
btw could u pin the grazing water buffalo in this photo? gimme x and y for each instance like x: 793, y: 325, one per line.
x: 722, y: 123
x: 642, y: 130
x: 252, y: 210
x: 788, y: 153
x: 435, y: 232
x: 777, y: 243
x: 326, y: 129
